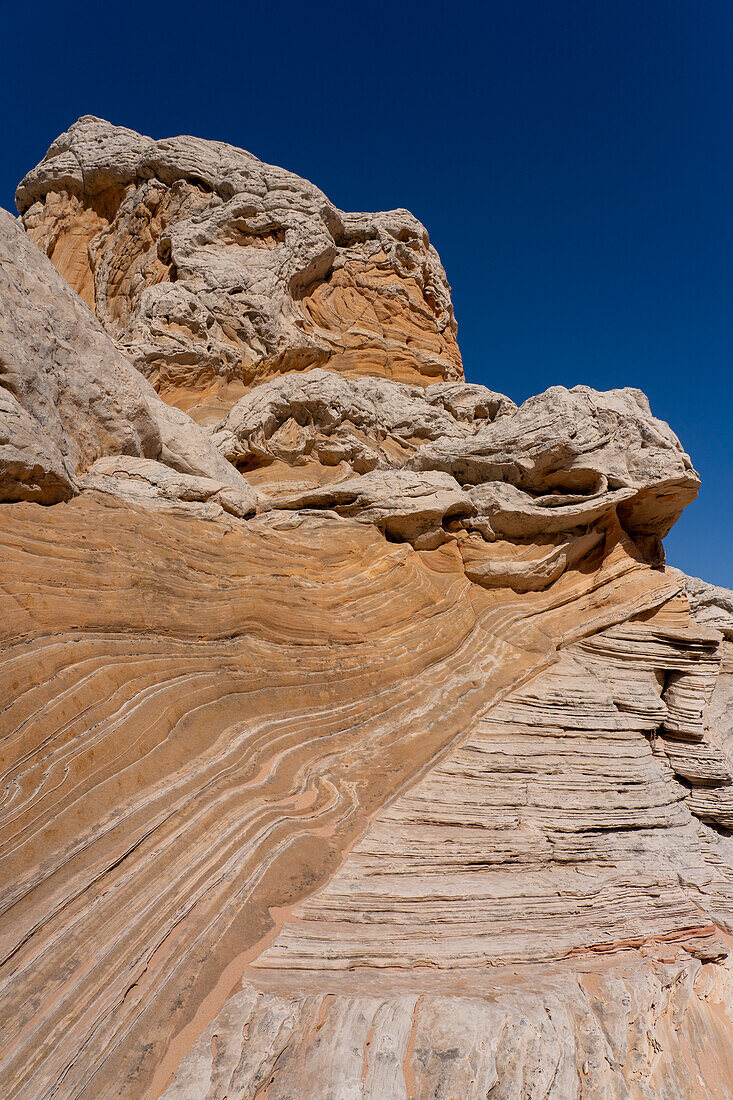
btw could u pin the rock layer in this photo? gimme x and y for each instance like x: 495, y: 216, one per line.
x: 159, y: 805
x: 630, y: 1029
x: 360, y: 745
x: 554, y: 466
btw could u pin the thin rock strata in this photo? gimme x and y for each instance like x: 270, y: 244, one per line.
x: 356, y: 740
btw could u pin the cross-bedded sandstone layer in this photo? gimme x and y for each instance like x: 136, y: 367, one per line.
x: 198, y: 731
x: 357, y: 743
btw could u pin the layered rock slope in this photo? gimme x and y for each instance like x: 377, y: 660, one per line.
x: 356, y: 741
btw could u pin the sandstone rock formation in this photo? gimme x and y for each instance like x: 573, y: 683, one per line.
x: 214, y: 271
x: 68, y: 396
x: 711, y: 605
x: 361, y: 744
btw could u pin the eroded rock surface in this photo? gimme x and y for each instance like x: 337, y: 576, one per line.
x: 68, y: 397
x: 711, y: 605
x: 213, y: 270
x: 525, y: 491
x: 360, y: 745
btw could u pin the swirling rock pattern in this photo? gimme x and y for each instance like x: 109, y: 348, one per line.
x: 206, y: 740
x: 359, y: 745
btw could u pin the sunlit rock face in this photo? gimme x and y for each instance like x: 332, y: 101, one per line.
x: 712, y: 606
x: 356, y: 740
x: 215, y: 271
x: 68, y: 397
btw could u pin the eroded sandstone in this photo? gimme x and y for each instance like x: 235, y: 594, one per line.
x: 214, y: 270
x: 359, y: 745
x: 68, y: 397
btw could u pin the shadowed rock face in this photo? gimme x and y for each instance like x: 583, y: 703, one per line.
x: 215, y: 271
x: 356, y: 743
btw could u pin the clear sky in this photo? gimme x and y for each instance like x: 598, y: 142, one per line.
x: 573, y: 163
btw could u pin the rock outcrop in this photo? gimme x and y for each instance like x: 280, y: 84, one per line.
x: 544, y: 475
x: 357, y: 742
x: 68, y: 397
x: 711, y: 605
x: 214, y: 271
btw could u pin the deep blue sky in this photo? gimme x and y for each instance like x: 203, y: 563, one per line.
x: 573, y: 162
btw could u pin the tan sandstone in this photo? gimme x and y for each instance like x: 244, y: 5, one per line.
x: 357, y: 743
x: 213, y: 270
